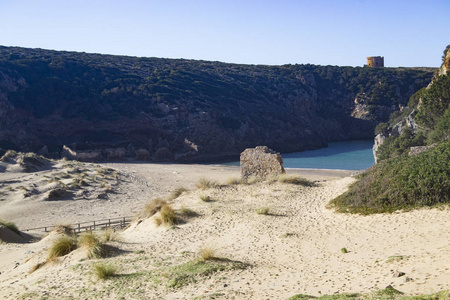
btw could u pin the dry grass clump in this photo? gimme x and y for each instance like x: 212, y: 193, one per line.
x: 294, y: 179
x: 64, y: 229
x: 263, y: 210
x: 62, y: 246
x: 166, y: 217
x: 104, y: 271
x: 205, y: 183
x: 95, y: 248
x: 207, y: 253
x: 11, y: 226
x: 108, y: 234
x: 187, y: 212
x: 152, y: 207
x: 234, y: 181
x: 177, y: 192
x: 36, y: 267
x: 253, y: 180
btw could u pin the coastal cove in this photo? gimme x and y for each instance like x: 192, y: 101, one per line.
x: 347, y: 155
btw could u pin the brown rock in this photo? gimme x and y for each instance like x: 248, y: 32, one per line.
x: 261, y: 162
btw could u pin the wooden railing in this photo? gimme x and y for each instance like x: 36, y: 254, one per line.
x: 90, y: 225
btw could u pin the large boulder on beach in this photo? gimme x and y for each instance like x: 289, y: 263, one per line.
x: 261, y: 162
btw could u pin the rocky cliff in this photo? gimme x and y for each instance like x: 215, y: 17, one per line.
x: 425, y: 121
x: 185, y: 110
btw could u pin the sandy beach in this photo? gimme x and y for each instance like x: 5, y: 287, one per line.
x: 297, y: 248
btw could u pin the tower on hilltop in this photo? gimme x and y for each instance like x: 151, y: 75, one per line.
x: 375, y: 61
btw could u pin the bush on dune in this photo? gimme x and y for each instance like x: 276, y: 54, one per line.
x: 401, y: 183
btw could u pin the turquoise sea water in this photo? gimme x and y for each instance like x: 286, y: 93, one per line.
x: 349, y: 155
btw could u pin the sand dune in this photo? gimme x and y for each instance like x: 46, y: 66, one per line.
x: 295, y: 248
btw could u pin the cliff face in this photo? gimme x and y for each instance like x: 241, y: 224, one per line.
x: 425, y: 121
x: 187, y: 110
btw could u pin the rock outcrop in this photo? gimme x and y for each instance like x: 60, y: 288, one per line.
x: 419, y: 149
x: 261, y: 162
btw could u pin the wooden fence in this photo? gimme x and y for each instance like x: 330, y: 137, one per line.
x: 91, y: 225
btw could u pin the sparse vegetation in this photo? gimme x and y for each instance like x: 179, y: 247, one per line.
x: 192, y: 271
x: 395, y: 258
x: 62, y: 246
x: 104, y: 271
x: 207, y: 253
x: 94, y: 247
x: 294, y: 179
x: 263, y: 210
x: 152, y: 207
x: 36, y: 267
x: 344, y: 250
x: 389, y: 293
x: 166, y: 217
x: 186, y: 212
x: 205, y: 183
x: 108, y: 234
x: 288, y: 234
x: 64, y: 229
x: 177, y: 192
x: 234, y: 181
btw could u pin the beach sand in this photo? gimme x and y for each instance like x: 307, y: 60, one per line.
x: 295, y: 249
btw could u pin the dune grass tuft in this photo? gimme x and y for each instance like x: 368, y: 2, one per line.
x: 36, y: 267
x: 205, y: 183
x: 64, y: 229
x: 166, y: 217
x: 152, y: 207
x: 187, y: 212
x: 234, y: 181
x: 95, y: 248
x: 11, y: 226
x: 62, y: 246
x: 177, y: 192
x: 206, y: 253
x: 108, y: 234
x: 294, y: 179
x: 104, y: 271
x: 263, y: 211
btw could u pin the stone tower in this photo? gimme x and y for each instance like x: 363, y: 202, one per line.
x: 375, y: 61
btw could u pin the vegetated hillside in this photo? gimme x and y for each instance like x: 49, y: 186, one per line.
x: 189, y: 110
x: 403, y: 179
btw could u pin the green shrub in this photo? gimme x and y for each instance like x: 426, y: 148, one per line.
x: 404, y: 182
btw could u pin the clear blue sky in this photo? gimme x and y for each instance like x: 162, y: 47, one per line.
x: 325, y: 32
